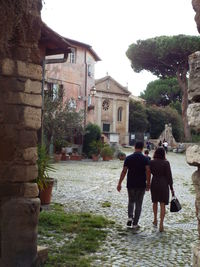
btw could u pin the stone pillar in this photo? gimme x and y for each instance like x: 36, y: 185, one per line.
x: 20, y: 118
x: 114, y: 115
x: 127, y: 123
x: 193, y: 151
x: 99, y: 107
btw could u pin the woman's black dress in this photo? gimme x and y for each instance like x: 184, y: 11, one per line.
x: 161, y: 181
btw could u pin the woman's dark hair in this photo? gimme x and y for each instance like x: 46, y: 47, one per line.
x: 159, y: 153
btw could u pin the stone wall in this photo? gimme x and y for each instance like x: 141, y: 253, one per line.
x: 20, y: 118
x: 193, y: 151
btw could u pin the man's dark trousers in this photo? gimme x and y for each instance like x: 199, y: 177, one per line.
x: 135, y: 199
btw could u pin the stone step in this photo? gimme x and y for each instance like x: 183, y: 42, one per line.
x: 42, y: 254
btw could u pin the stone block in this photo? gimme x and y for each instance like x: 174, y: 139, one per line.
x: 29, y: 70
x: 10, y: 189
x: 30, y: 154
x: 193, y: 155
x: 196, y: 179
x: 10, y: 83
x: 33, y: 87
x: 7, y: 152
x: 8, y: 67
x: 27, y: 138
x: 194, y: 89
x: 18, y: 219
x: 193, y: 113
x: 32, y: 118
x: 30, y: 190
x: 20, y: 85
x: 196, y: 255
x: 23, y: 99
x: 42, y: 254
x: 10, y: 172
x: 194, y: 79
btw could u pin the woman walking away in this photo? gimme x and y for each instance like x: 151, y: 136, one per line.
x: 161, y: 181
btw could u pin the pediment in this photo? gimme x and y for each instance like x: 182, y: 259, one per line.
x: 109, y: 85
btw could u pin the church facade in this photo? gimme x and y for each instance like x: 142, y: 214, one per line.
x: 111, y: 110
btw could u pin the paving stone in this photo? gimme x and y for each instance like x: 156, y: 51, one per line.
x: 85, y: 185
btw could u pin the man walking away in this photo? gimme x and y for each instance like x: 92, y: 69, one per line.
x: 138, y: 179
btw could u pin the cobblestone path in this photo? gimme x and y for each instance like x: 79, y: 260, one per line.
x: 87, y: 185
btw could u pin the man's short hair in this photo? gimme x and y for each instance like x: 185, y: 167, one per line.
x: 139, y: 145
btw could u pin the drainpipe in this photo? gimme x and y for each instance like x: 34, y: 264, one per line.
x: 85, y: 99
x: 44, y: 62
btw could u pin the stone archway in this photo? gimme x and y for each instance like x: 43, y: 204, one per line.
x: 20, y: 118
x: 193, y: 152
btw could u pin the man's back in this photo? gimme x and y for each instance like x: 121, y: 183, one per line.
x: 136, y: 164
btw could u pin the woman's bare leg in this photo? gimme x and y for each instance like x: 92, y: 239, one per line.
x: 155, y: 212
x: 162, y: 216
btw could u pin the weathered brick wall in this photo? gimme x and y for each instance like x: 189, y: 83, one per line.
x: 193, y: 152
x: 20, y: 118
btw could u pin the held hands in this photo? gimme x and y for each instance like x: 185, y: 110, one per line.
x: 147, y: 187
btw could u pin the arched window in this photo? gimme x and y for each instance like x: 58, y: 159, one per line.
x: 119, y: 114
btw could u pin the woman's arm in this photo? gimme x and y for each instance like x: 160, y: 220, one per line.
x: 170, y: 179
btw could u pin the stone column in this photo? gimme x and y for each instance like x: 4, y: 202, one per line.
x: 114, y: 115
x: 193, y: 151
x: 20, y: 118
x: 99, y: 107
x: 127, y: 123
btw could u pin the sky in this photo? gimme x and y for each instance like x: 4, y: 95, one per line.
x: 110, y: 26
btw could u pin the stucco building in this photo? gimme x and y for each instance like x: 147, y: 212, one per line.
x: 75, y: 77
x: 111, y: 111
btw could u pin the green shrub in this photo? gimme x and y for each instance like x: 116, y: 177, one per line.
x: 95, y: 147
x: 107, y: 151
x: 121, y: 155
x: 92, y: 133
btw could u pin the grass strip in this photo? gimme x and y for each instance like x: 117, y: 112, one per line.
x: 71, y: 237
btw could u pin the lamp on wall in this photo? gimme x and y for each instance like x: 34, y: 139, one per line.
x: 93, y: 91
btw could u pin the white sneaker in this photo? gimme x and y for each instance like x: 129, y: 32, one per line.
x: 136, y: 227
x: 129, y: 222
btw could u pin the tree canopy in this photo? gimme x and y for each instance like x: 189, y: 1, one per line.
x: 166, y: 56
x: 60, y: 121
x: 158, y: 117
x: 152, y: 119
x: 137, y: 117
x: 162, y: 92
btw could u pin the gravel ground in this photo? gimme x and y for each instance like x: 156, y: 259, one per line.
x: 86, y: 186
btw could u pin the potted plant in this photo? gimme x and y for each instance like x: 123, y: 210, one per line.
x: 95, y: 149
x: 107, y: 152
x: 75, y: 155
x: 121, y: 155
x: 44, y: 182
x: 58, y: 150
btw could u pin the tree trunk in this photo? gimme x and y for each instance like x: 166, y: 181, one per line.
x: 182, y: 80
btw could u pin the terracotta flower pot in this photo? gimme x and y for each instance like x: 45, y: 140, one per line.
x: 95, y: 157
x: 57, y: 157
x: 46, y: 193
x: 107, y: 158
x: 75, y: 157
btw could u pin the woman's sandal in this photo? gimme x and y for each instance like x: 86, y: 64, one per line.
x: 155, y: 223
x: 161, y: 228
